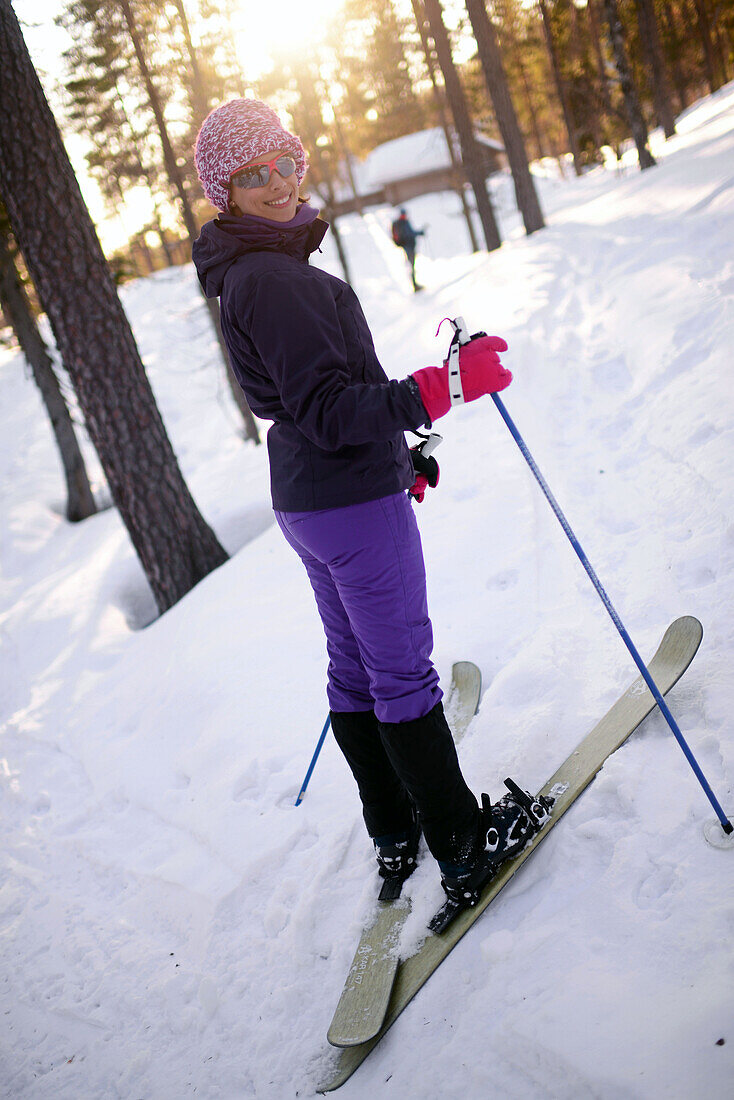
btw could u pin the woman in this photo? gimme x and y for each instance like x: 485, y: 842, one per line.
x: 340, y: 467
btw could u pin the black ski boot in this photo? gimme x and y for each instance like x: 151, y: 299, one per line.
x: 505, y: 830
x: 396, y: 861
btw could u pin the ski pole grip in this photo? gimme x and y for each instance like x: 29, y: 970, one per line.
x: 462, y: 332
x: 461, y: 337
x: 429, y: 446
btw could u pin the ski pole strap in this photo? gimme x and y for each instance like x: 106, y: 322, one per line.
x: 461, y: 336
x: 456, y: 390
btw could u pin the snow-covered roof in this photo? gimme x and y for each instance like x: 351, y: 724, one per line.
x: 412, y: 155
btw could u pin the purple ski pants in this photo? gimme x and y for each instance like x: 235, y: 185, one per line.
x: 365, y: 564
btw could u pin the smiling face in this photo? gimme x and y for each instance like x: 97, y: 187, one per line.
x: 277, y: 200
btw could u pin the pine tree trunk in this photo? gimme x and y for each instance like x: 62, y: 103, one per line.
x: 561, y: 89
x: 470, y: 152
x: 601, y: 67
x: 162, y: 236
x: 496, y: 80
x: 348, y: 159
x: 174, y: 175
x: 339, y: 243
x: 201, y: 99
x: 703, y: 25
x: 650, y: 35
x: 16, y: 307
x: 578, y: 58
x: 309, y: 123
x: 635, y: 117
x: 509, y: 44
x: 721, y: 49
x: 57, y: 238
x: 145, y: 253
x: 673, y: 52
x: 457, y: 172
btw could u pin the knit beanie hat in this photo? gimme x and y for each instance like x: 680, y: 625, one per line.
x: 231, y: 135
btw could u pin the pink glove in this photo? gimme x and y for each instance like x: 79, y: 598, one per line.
x: 418, y: 489
x: 427, y: 473
x: 481, y: 372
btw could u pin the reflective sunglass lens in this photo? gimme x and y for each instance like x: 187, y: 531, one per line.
x: 286, y: 166
x: 259, y: 174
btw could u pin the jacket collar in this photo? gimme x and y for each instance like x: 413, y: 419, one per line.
x: 299, y: 237
x: 225, y: 239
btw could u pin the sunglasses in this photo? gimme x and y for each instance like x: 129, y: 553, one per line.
x: 258, y: 175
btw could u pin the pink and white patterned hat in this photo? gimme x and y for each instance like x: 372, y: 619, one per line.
x: 231, y: 135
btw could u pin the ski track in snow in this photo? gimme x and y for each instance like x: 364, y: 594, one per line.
x: 170, y: 925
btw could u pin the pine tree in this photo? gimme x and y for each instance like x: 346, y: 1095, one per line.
x: 303, y: 83
x: 17, y: 308
x: 65, y: 260
x: 561, y: 88
x: 439, y: 98
x: 629, y: 90
x: 494, y: 74
x: 650, y: 35
x: 177, y: 179
x: 113, y: 77
x: 375, y: 72
x: 470, y: 152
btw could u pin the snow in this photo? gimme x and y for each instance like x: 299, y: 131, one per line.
x: 170, y: 924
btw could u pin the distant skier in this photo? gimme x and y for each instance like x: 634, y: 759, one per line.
x: 301, y: 349
x: 405, y: 236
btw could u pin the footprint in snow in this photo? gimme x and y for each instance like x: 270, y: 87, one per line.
x: 507, y: 578
x: 248, y: 784
x: 254, y: 779
x: 654, y: 889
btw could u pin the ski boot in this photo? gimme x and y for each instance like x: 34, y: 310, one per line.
x: 397, y: 861
x: 505, y: 829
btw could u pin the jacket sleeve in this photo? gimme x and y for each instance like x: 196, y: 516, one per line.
x: 297, y: 332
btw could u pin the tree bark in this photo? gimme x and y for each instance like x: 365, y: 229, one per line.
x: 201, y: 99
x: 721, y: 49
x: 309, y: 123
x: 15, y: 305
x: 176, y: 178
x: 704, y: 31
x: 347, y: 157
x: 57, y: 238
x: 456, y: 167
x: 561, y: 89
x: 650, y: 35
x: 635, y: 117
x: 601, y: 67
x: 673, y: 55
x: 499, y: 92
x: 470, y: 153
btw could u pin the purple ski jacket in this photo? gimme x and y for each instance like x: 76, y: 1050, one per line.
x: 302, y: 351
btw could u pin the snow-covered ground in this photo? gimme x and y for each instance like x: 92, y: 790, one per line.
x: 171, y: 925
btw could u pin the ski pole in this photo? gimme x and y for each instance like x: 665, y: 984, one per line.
x: 314, y: 758
x: 463, y: 338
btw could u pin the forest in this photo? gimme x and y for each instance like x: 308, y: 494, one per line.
x: 552, y: 80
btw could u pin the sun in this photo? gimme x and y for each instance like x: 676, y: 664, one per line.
x: 264, y: 30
